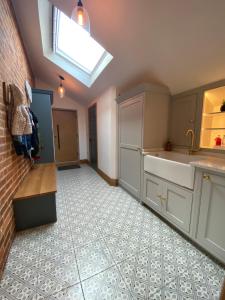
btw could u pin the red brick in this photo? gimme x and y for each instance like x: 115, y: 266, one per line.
x: 14, y: 68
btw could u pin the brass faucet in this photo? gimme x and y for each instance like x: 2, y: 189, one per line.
x: 191, y: 132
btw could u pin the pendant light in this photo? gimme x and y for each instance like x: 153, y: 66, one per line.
x: 61, y: 89
x: 80, y: 16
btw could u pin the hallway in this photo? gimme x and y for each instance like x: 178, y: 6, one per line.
x: 105, y: 245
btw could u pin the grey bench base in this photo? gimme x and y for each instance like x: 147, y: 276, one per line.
x: 35, y: 211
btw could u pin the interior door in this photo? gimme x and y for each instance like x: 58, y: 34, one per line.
x: 92, y: 122
x: 66, y: 136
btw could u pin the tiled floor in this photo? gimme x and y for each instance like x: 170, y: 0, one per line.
x: 105, y: 245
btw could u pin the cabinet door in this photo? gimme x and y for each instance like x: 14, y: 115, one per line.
x: 131, y: 122
x: 182, y: 117
x: 177, y: 204
x: 211, y: 228
x: 130, y: 170
x: 41, y: 106
x: 152, y: 192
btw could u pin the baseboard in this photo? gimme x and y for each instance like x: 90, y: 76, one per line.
x: 84, y: 161
x: 67, y: 163
x: 109, y: 180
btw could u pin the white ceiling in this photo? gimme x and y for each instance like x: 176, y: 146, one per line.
x: 177, y: 43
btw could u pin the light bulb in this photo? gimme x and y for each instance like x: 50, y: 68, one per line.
x: 61, y: 91
x: 80, y: 16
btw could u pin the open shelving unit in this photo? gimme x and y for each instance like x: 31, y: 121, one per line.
x: 213, y: 120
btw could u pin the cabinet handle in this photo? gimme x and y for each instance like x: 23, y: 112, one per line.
x: 164, y: 199
x: 206, y: 177
x: 159, y: 196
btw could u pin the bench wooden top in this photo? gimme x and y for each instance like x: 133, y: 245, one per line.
x: 39, y: 181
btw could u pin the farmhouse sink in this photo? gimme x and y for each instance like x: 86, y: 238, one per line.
x: 172, y: 166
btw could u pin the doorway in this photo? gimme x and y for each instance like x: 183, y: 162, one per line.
x: 92, y: 122
x: 66, y: 137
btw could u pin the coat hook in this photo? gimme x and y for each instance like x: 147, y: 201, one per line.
x: 6, y: 93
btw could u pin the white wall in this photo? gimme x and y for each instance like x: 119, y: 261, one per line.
x: 69, y: 103
x: 107, y: 132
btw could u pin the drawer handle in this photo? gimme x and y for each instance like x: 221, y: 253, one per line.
x: 161, y: 197
x: 206, y: 177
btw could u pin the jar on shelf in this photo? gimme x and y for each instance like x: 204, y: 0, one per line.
x: 218, y: 140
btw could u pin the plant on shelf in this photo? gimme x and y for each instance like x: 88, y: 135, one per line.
x: 222, y: 108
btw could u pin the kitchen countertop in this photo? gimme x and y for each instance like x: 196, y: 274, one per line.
x: 211, y: 164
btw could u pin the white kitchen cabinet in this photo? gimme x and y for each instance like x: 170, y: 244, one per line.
x: 143, y: 123
x: 173, y: 202
x: 211, y: 224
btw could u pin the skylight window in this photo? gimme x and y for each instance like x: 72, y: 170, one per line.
x: 71, y: 48
x: 76, y: 44
x: 83, y: 57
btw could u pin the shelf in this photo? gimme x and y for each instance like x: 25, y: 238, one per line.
x: 220, y: 148
x: 212, y: 114
x: 213, y: 128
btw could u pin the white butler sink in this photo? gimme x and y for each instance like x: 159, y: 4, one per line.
x: 172, y: 166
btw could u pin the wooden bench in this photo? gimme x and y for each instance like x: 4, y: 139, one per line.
x: 34, y: 202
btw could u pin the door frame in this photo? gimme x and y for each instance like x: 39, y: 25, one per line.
x: 78, y: 144
x: 91, y: 106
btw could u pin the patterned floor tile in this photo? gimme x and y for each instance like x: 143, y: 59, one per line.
x: 148, y: 271
x: 98, y: 227
x: 12, y: 287
x: 107, y: 285
x: 71, y: 293
x: 47, y: 286
x: 64, y: 271
x: 93, y: 258
x: 182, y: 288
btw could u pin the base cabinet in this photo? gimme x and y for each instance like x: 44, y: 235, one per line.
x: 152, y: 192
x: 177, y: 205
x: 173, y: 202
x: 211, y: 225
x: 130, y: 170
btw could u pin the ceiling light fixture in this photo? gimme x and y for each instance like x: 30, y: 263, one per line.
x: 80, y: 16
x: 61, y: 89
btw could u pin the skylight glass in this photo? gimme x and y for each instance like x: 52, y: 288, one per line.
x: 76, y: 44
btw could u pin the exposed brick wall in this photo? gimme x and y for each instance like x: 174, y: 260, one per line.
x: 14, y: 68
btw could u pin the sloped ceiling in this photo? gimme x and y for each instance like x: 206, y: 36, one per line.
x: 177, y: 43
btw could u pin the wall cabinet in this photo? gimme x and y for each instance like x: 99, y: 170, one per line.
x: 187, y: 111
x: 182, y: 117
x: 211, y: 224
x: 170, y: 200
x: 143, y: 122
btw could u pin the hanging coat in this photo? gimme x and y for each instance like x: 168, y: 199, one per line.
x: 21, y: 123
